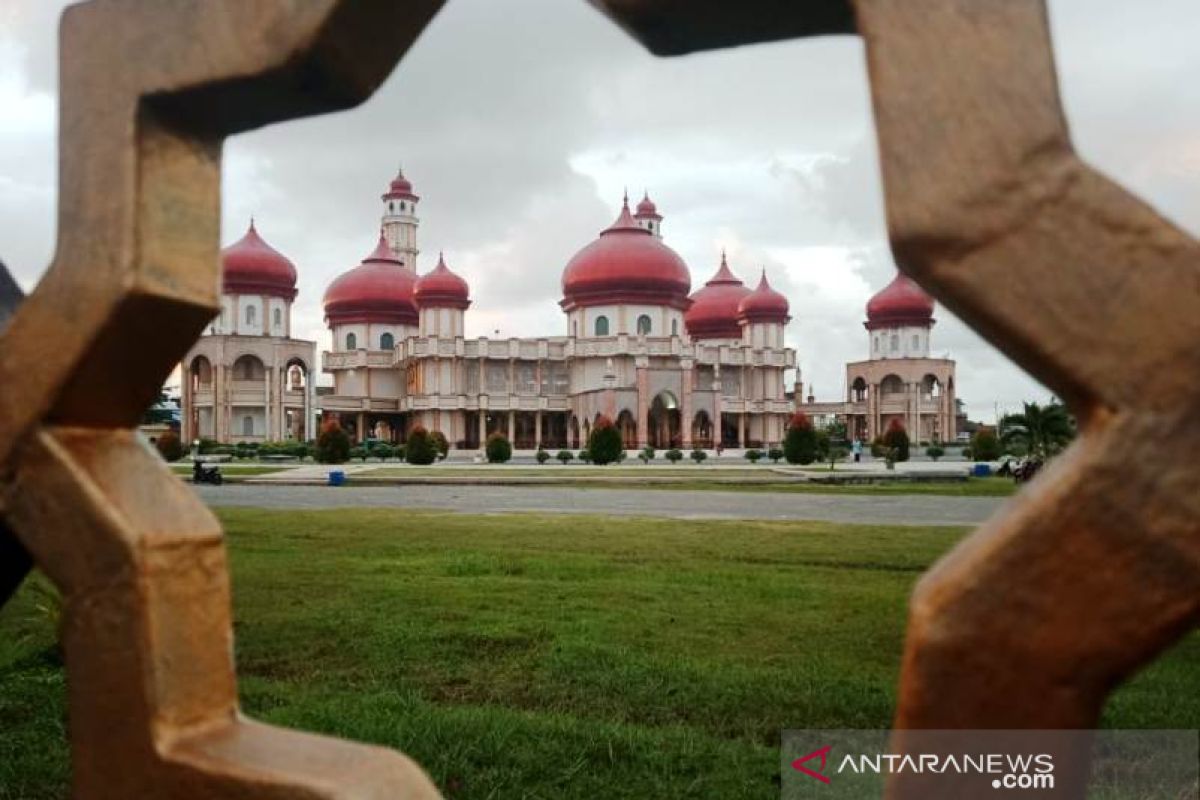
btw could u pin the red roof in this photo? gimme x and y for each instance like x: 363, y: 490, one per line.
x: 441, y: 288
x: 901, y: 302
x: 646, y: 208
x: 400, y: 188
x: 764, y: 304
x: 714, y: 310
x: 626, y: 264
x: 380, y: 289
x: 251, y: 266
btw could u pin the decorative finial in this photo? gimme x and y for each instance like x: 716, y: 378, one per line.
x: 252, y: 223
x: 626, y: 200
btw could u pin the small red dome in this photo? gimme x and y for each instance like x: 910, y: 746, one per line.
x: 646, y: 208
x: 714, y: 310
x: 441, y: 288
x: 400, y: 188
x: 764, y: 304
x: 626, y: 264
x: 901, y: 302
x: 380, y: 289
x: 251, y: 266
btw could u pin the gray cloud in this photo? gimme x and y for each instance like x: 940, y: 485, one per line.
x: 520, y: 123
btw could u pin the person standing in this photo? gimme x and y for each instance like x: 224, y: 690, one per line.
x: 856, y: 449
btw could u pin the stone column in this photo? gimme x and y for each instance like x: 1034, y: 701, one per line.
x: 512, y: 426
x: 742, y: 428
x: 361, y: 422
x: 187, y: 401
x: 482, y: 426
x: 685, y: 407
x: 718, y: 405
x: 643, y: 401
x: 537, y: 427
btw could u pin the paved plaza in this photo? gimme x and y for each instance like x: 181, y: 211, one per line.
x: 844, y: 508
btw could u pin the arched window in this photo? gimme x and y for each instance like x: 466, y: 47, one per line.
x: 895, y: 343
x: 351, y: 341
x: 250, y: 316
x: 391, y: 207
x: 916, y: 341
x: 643, y: 325
x: 278, y: 317
x: 674, y: 327
x: 602, y: 326
x: 247, y: 426
x: 387, y: 342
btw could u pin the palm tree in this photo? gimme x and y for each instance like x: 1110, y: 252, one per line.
x: 1042, y: 430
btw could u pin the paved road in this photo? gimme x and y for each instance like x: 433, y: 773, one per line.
x: 868, y: 509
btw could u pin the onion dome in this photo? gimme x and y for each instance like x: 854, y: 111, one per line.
x: 647, y: 209
x: 626, y: 264
x: 400, y: 188
x: 380, y: 289
x: 441, y: 288
x: 714, y: 311
x: 764, y: 304
x: 901, y: 302
x: 251, y: 266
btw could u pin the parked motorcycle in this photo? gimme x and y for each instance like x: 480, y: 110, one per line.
x: 203, y: 474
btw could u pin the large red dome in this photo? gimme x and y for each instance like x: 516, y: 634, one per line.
x: 764, y: 304
x: 379, y: 289
x: 714, y: 310
x: 626, y: 264
x: 901, y: 302
x: 251, y: 266
x: 441, y: 288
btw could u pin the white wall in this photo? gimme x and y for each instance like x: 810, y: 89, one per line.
x: 909, y: 341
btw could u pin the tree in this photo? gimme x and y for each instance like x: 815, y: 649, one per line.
x: 421, y: 448
x: 935, y: 451
x: 984, y: 445
x: 169, y: 446
x: 1043, y: 431
x: 800, y: 441
x: 497, y: 448
x: 895, y: 438
x: 564, y: 456
x: 834, y: 454
x: 647, y: 454
x: 753, y: 455
x: 542, y: 456
x: 775, y: 453
x: 441, y: 443
x: 604, y: 443
x: 333, y: 445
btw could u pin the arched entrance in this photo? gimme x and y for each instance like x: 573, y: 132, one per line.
x: 702, y: 430
x: 627, y: 425
x: 664, y: 421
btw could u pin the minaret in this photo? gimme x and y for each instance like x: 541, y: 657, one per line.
x: 400, y: 220
x: 647, y: 215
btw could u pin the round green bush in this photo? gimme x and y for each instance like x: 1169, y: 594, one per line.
x: 542, y: 456
x: 333, y: 445
x: 699, y: 455
x: 498, y: 448
x: 800, y: 441
x: 585, y: 456
x: 421, y: 448
x: 985, y: 446
x: 674, y: 455
x: 564, y: 456
x: 647, y: 454
x: 441, y: 443
x: 775, y: 453
x: 935, y: 451
x: 753, y: 455
x: 169, y: 446
x: 604, y: 443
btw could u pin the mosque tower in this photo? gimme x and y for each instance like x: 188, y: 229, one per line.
x: 647, y: 216
x: 400, y: 220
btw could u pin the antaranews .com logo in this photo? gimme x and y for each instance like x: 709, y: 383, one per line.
x: 962, y: 765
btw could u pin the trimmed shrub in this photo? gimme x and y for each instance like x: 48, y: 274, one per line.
x: 383, y: 451
x: 647, y: 454
x: 359, y: 453
x: 542, y: 456
x: 604, y: 443
x: 585, y: 456
x: 895, y: 439
x: 333, y: 445
x: 699, y: 455
x: 208, y: 446
x: 775, y: 453
x: 935, y: 451
x: 302, y: 450
x: 673, y: 455
x: 800, y: 441
x: 564, y: 456
x: 753, y: 455
x: 985, y: 446
x: 169, y: 446
x: 441, y: 443
x: 421, y: 448
x: 497, y: 448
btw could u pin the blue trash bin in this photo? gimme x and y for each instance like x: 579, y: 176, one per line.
x: 337, y: 477
x: 982, y: 470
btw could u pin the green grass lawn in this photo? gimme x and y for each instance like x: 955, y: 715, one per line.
x: 542, y: 657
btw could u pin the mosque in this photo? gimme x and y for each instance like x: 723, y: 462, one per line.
x: 671, y: 367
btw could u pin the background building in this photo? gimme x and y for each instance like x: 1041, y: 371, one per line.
x: 246, y: 379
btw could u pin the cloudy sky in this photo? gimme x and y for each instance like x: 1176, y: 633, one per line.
x: 520, y: 123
